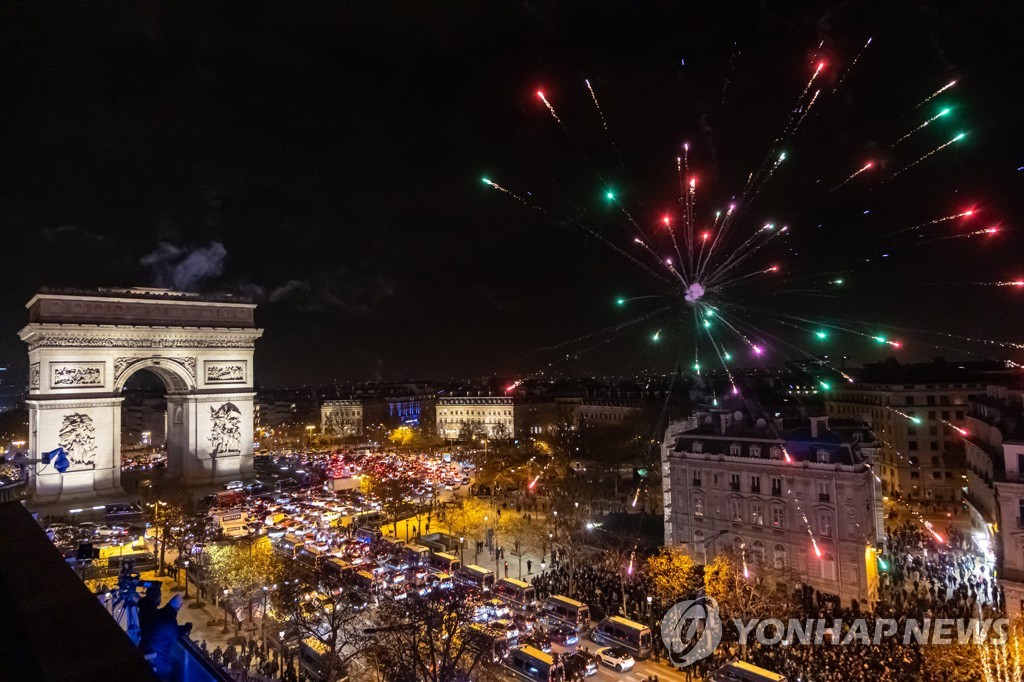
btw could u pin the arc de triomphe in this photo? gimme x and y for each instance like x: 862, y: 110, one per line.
x: 83, y: 346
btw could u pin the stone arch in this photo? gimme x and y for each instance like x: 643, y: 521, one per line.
x: 173, y: 373
x: 84, y: 345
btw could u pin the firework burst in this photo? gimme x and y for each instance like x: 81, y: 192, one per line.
x: 721, y: 271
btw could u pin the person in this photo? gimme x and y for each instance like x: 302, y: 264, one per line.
x: 160, y: 635
x: 529, y: 566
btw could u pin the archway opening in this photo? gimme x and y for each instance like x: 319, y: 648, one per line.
x: 143, y: 429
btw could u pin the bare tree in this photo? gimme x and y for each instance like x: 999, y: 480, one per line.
x: 428, y: 638
x: 324, y: 616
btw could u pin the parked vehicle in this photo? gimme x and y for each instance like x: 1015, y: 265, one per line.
x: 623, y: 633
x: 615, y: 657
x: 561, y: 610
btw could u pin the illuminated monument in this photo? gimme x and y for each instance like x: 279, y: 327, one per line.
x: 84, y: 345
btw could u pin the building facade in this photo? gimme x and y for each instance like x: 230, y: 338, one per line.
x: 918, y: 424
x: 341, y: 418
x: 801, y: 496
x: 995, y: 484
x: 469, y: 417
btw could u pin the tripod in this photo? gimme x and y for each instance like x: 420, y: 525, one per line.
x: 125, y: 607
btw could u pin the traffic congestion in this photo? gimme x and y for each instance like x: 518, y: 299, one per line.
x: 325, y: 520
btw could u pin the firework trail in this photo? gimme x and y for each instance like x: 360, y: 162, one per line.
x: 604, y: 122
x: 938, y: 149
x: 936, y: 117
x: 935, y: 94
x: 509, y: 192
x: 852, y: 64
x: 807, y: 110
x: 867, y: 166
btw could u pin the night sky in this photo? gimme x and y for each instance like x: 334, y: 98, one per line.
x: 326, y: 159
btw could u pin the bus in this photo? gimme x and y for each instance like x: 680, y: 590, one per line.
x: 338, y: 567
x: 617, y: 631
x: 288, y: 545
x: 418, y: 555
x: 741, y: 671
x: 391, y: 545
x: 367, y: 535
x: 532, y: 664
x: 311, y: 559
x: 445, y: 562
x: 488, y: 641
x: 516, y: 592
x: 477, y: 576
x: 560, y: 610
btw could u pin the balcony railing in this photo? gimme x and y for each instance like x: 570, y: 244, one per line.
x: 734, y: 486
x: 824, y: 497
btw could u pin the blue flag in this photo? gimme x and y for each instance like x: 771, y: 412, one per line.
x: 59, y: 459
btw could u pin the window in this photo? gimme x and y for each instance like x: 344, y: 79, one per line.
x: 698, y: 506
x: 734, y: 450
x: 915, y: 474
x: 913, y: 461
x: 755, y: 484
x: 949, y: 474
x: 933, y: 430
x: 696, y: 479
x: 930, y: 400
x: 931, y: 414
x: 776, y: 453
x: 780, y: 556
x: 734, y: 510
x: 945, y: 415
x: 755, y: 450
x: 756, y: 514
x: 959, y: 415
x: 910, y: 400
x: 776, y: 486
x: 777, y: 517
x: 757, y: 547
x: 824, y: 457
x: 825, y: 524
x: 823, y: 493
x: 936, y: 462
x: 734, y: 481
x: 1020, y: 511
x: 828, y: 567
x: 933, y: 445
x: 697, y: 446
x: 912, y: 445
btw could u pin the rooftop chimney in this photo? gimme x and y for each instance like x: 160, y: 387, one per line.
x: 819, y: 425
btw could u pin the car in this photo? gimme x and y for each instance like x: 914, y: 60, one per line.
x: 563, y: 635
x: 579, y: 665
x: 615, y: 657
x: 258, y: 488
x: 537, y: 641
x: 357, y: 599
x: 233, y: 485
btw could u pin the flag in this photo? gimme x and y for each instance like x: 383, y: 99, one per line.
x: 59, y: 459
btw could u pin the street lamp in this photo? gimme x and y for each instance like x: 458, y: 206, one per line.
x: 186, y: 580
x: 462, y: 549
x: 650, y: 621
x: 309, y: 435
x: 224, y: 604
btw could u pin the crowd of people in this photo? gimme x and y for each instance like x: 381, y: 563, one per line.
x: 606, y: 591
x: 254, y: 661
x: 923, y: 575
